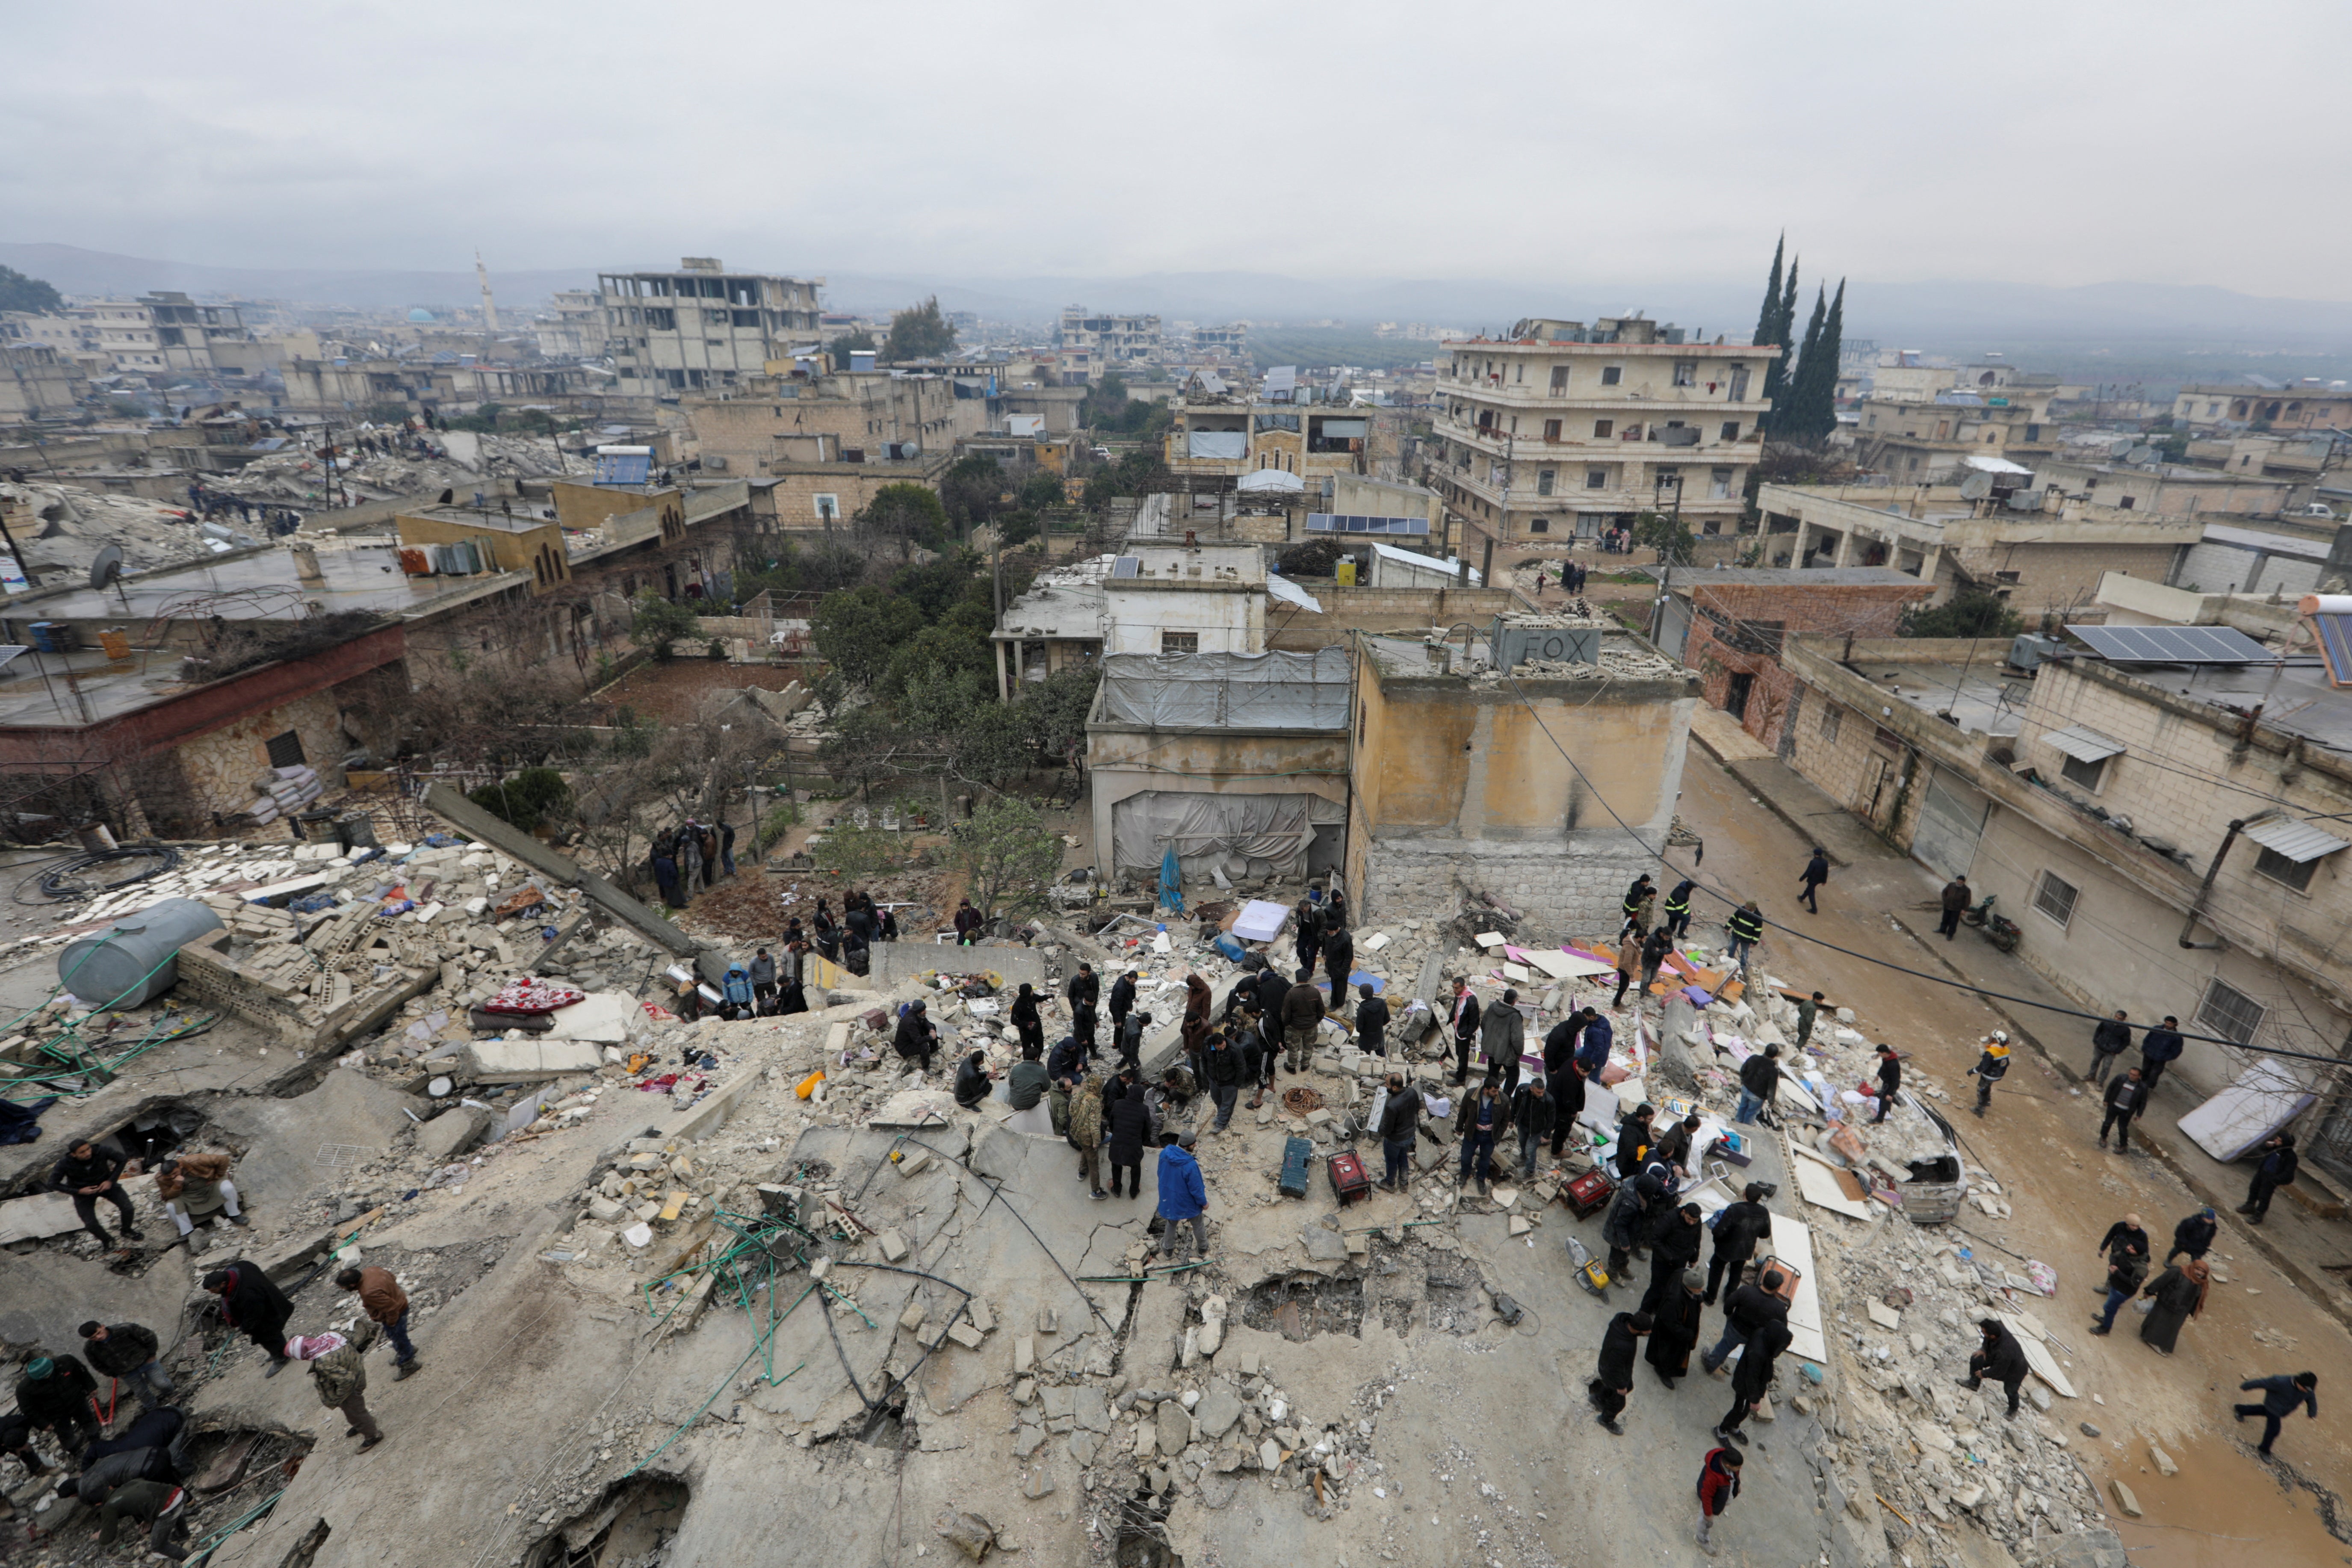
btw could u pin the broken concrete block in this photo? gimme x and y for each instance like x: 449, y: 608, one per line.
x: 1028, y: 1440
x: 1218, y: 1410
x: 1175, y: 1426
x: 1024, y: 1390
x: 640, y: 1235
x: 965, y: 1335
x: 1269, y: 1454
x: 451, y: 1133
x: 603, y: 1210
x: 919, y: 1160
x: 982, y: 1317
x: 2164, y: 1462
x: 1520, y: 1224
x: 1049, y: 1320
x: 1036, y: 1484
x: 1024, y: 1355
x: 911, y: 1320
x: 2125, y: 1499
x: 1885, y: 1316
x: 673, y: 1204
x: 523, y: 1061
x: 891, y: 1245
x: 1249, y: 1364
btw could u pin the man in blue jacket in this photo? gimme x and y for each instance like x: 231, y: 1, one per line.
x: 2158, y: 1049
x: 1184, y: 1196
x: 1599, y: 1037
x: 2281, y: 1394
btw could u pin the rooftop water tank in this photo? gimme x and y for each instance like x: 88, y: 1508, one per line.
x: 135, y: 960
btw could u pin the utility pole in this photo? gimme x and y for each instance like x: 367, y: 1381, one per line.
x: 1667, y: 565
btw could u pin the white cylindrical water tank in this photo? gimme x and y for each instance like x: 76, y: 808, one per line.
x: 110, y: 968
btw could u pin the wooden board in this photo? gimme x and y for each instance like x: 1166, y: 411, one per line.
x: 1824, y: 1185
x: 2038, y: 1357
x: 1793, y: 1240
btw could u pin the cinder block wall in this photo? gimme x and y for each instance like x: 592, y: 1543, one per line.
x: 1562, y: 891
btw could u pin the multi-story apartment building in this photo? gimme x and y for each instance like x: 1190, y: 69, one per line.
x: 1563, y: 431
x: 1109, y: 342
x: 1926, y: 441
x: 572, y: 326
x: 701, y: 327
x: 2306, y: 405
x: 2171, y: 840
x: 767, y: 420
x: 37, y: 380
x: 166, y: 332
x: 1223, y: 432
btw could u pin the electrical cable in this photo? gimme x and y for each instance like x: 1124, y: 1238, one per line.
x: 1659, y: 856
x: 996, y: 1187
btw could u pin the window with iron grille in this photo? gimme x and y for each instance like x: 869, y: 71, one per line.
x: 2054, y: 897
x: 1179, y: 642
x: 286, y: 751
x: 1831, y: 716
x: 2278, y: 868
x: 2230, y: 1013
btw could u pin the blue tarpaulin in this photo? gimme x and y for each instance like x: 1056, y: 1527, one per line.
x: 1172, y: 882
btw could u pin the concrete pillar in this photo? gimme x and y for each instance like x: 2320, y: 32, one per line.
x: 1845, y: 556
x: 1798, y: 544
x: 1004, y: 692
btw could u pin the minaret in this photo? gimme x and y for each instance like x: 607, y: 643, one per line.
x: 490, y: 305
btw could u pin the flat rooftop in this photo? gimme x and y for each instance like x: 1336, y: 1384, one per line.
x: 1976, y: 698
x: 1798, y: 577
x: 2302, y: 702
x: 489, y: 522
x: 262, y: 585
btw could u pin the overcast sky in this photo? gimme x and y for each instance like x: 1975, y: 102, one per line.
x: 1563, y: 143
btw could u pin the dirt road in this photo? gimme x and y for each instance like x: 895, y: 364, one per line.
x: 2039, y: 1143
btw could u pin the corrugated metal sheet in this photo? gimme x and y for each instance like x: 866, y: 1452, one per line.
x: 2298, y: 841
x: 2084, y: 744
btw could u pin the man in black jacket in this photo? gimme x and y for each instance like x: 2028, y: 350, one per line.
x: 1466, y: 1028
x: 2282, y: 1397
x: 1221, y: 1065
x: 2126, y: 1097
x: 1127, y: 1130
x: 918, y: 1039
x: 1816, y: 872
x: 1566, y: 1076
x: 1890, y: 1079
x: 1338, y: 959
x: 1302, y: 1018
x: 55, y: 1392
x: 2193, y: 1235
x: 2159, y: 1049
x: 1085, y: 989
x: 252, y: 1304
x: 1612, y: 1378
x: 2276, y: 1164
x: 1736, y: 1231
x: 1401, y: 1115
x: 2001, y: 1359
x: 90, y: 1173
x: 1753, y: 1379
x: 1371, y: 1021
x: 1744, y: 1310
x: 1675, y: 1249
x: 2125, y: 1245
x: 130, y: 1353
x: 1122, y: 1000
x: 2110, y: 1039
x: 1759, y: 1083
x: 1531, y: 1113
x: 1954, y: 902
x: 1310, y: 916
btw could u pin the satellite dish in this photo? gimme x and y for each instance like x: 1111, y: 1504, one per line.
x: 1976, y: 487
x: 107, y: 566
x: 2140, y: 455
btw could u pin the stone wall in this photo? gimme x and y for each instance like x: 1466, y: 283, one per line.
x: 1562, y: 890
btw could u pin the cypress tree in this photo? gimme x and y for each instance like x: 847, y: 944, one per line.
x: 1767, y: 320
x: 1817, y: 415
x: 1776, y: 374
x: 1793, y: 419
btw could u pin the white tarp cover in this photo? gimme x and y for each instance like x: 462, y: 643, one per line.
x: 1290, y: 593
x: 1228, y: 691
x: 2265, y: 1098
x: 1276, y: 479
x: 1208, y: 829
x: 1216, y: 443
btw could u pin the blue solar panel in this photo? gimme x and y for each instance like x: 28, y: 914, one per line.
x: 2336, y: 647
x: 627, y: 468
x: 2173, y: 645
x: 1350, y: 523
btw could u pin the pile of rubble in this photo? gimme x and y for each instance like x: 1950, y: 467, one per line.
x: 69, y: 525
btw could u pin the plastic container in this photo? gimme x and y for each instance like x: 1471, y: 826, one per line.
x: 118, y: 958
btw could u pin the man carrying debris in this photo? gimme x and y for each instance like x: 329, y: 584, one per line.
x: 2001, y: 1359
x: 2126, y: 1246
x: 1612, y: 1378
x: 2282, y: 1397
x: 55, y: 1392
x: 195, y: 1185
x: 339, y: 1377
x: 1465, y: 1027
x: 2109, y: 1040
x: 1737, y: 1228
x: 386, y: 1305
x: 1503, y: 1039
x: 90, y: 1173
x: 1718, y: 1483
x: 1990, y: 1069
x: 128, y: 1353
x: 2126, y: 1097
x: 917, y: 1038
x: 1184, y: 1196
x: 252, y: 1304
x: 1371, y: 1021
x: 1401, y: 1115
x: 1532, y: 1110
x: 1759, y: 1086
x: 1302, y: 1015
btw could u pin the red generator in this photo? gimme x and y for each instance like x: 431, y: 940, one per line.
x: 1589, y: 1194
x: 1347, y: 1178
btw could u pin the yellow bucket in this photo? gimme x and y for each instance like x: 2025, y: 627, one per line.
x: 808, y: 1085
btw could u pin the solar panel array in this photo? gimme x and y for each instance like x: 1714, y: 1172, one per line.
x: 1348, y: 522
x: 623, y: 468
x: 2336, y: 647
x: 1127, y: 566
x: 2173, y: 645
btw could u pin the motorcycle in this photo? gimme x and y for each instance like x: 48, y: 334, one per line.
x: 1998, y: 928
